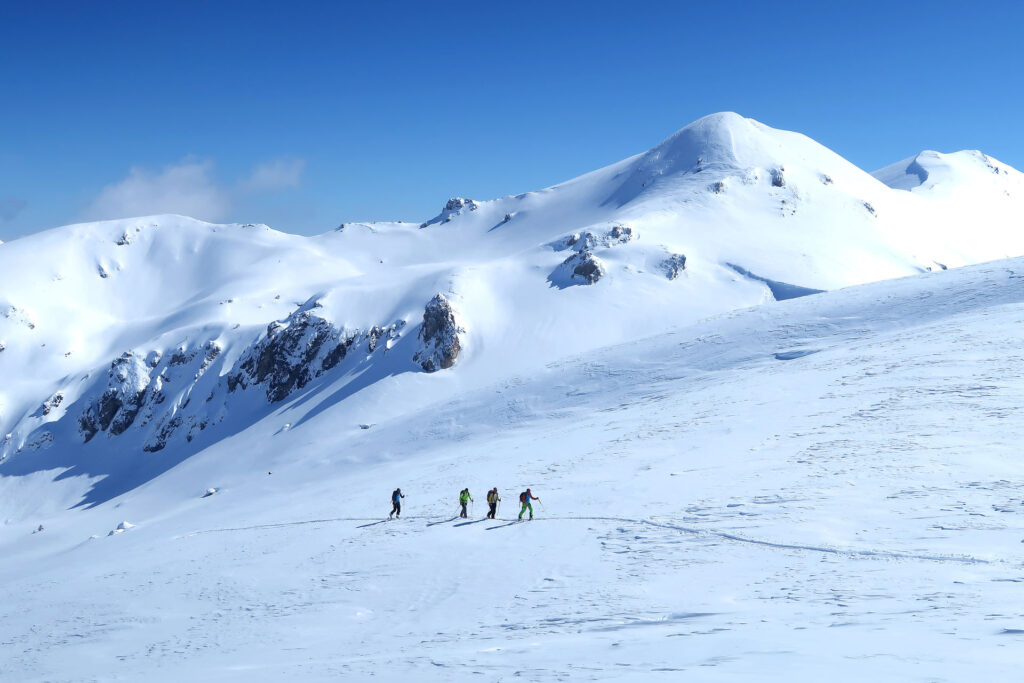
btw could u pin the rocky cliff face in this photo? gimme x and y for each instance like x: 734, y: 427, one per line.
x: 439, y: 336
x: 297, y: 350
x: 144, y: 388
x: 153, y: 393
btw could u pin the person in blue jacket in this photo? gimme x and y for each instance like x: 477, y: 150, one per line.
x: 396, y: 503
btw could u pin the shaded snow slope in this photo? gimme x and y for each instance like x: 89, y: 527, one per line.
x: 825, y: 486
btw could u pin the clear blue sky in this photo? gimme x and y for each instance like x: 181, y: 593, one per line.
x: 302, y: 115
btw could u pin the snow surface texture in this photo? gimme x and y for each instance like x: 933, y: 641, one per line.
x: 827, y: 484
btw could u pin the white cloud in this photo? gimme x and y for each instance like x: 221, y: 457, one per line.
x: 189, y: 188
x: 274, y: 175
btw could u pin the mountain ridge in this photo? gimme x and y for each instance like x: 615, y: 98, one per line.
x: 724, y: 214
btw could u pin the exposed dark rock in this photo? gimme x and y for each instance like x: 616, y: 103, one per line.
x: 439, y: 336
x: 452, y: 208
x: 298, y: 349
x: 620, y: 234
x: 120, y: 402
x: 589, y: 240
x: 338, y: 353
x: 283, y: 358
x: 51, y: 403
x: 459, y: 203
x: 674, y: 265
x: 870, y: 209
x: 587, y: 267
x: 160, y: 439
x: 778, y: 179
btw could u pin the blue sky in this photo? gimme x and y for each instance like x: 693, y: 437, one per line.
x: 303, y: 115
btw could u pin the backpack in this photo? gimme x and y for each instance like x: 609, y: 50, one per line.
x: 523, y: 498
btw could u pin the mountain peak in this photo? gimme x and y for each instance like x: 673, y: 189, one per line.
x: 930, y: 171
x: 725, y: 144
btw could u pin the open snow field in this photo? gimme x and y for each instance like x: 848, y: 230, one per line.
x: 826, y: 487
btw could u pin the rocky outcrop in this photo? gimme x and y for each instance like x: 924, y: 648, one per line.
x: 589, y: 240
x: 778, y: 177
x: 136, y: 392
x: 51, y: 404
x: 300, y: 348
x: 119, y: 404
x: 440, y: 344
x: 674, y: 265
x: 585, y: 268
x: 453, y: 208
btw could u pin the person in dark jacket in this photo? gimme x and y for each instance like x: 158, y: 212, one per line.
x: 492, y: 501
x: 396, y: 503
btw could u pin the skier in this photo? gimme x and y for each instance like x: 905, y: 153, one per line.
x: 492, y: 500
x: 396, y: 503
x: 525, y: 497
x: 464, y: 497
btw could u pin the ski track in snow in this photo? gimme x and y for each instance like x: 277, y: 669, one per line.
x: 850, y: 552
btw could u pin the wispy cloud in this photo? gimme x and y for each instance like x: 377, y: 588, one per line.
x: 274, y: 175
x: 189, y: 188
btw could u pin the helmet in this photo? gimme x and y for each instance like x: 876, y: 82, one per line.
x: 527, y: 490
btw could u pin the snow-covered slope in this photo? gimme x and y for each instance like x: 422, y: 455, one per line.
x: 554, y: 338
x: 822, y: 487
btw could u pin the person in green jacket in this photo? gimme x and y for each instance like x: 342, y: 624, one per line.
x: 464, y: 498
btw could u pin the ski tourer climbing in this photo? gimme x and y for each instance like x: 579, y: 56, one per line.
x: 396, y: 503
x: 492, y: 501
x: 464, y: 498
x: 525, y: 497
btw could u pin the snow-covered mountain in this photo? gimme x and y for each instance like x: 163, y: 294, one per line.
x: 553, y: 338
x: 160, y: 330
